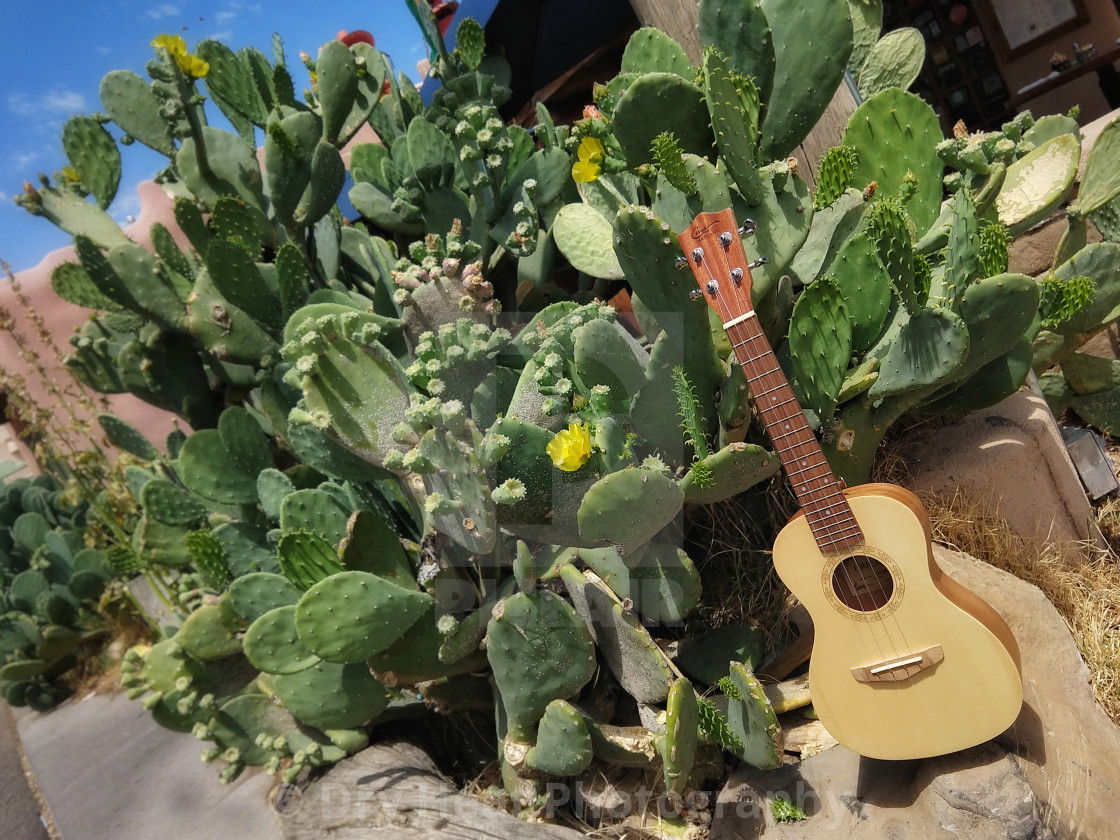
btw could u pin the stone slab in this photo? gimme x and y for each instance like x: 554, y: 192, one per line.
x: 1010, y: 455
x: 109, y: 772
x: 1068, y: 748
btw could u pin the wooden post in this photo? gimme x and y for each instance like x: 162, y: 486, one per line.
x: 678, y: 20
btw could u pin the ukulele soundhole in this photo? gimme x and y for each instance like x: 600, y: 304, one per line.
x: 862, y: 583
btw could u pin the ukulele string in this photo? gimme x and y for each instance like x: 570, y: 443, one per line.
x: 865, y: 607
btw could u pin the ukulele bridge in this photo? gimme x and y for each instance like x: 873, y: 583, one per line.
x: 900, y: 668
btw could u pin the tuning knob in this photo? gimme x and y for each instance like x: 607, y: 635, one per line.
x: 748, y: 227
x: 695, y: 294
x: 758, y: 262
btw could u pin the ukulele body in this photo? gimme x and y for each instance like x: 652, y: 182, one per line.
x: 906, y: 662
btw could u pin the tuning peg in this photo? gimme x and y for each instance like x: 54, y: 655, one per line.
x: 737, y: 275
x: 681, y: 263
x: 695, y: 295
x: 758, y: 262
x: 698, y: 255
x: 748, y: 227
x: 725, y: 240
x: 711, y: 287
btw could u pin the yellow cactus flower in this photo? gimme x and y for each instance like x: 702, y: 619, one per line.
x: 192, y: 65
x: 589, y: 165
x: 571, y: 447
x: 174, y: 44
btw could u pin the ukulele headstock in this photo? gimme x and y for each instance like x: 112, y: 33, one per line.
x: 714, y: 253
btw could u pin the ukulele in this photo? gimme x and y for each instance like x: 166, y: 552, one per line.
x: 906, y: 662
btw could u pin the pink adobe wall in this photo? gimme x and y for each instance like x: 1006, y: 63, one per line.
x: 63, y: 319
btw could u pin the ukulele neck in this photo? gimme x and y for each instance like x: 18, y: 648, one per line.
x: 818, y: 492
x: 714, y: 253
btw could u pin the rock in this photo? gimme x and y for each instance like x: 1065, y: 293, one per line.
x: 976, y: 794
x: 393, y: 790
x: 1069, y: 748
x: 1054, y: 774
x: 1012, y: 455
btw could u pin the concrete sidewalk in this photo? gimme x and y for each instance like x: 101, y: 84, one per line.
x: 109, y: 772
x: 19, y: 812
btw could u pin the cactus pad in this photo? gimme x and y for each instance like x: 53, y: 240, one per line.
x: 332, y: 696
x: 272, y: 643
x: 254, y: 594
x: 540, y: 651
x: 629, y: 507
x: 563, y: 746
x: 350, y: 616
x: 629, y: 650
x: 752, y: 719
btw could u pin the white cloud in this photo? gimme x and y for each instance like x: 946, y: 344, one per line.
x: 20, y: 160
x: 161, y: 11
x: 53, y: 102
x: 225, y: 17
x: 4, y: 197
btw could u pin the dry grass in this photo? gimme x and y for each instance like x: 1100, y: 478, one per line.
x: 731, y: 544
x: 98, y: 669
x: 1081, y: 581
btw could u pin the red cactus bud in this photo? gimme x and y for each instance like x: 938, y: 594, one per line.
x: 358, y: 36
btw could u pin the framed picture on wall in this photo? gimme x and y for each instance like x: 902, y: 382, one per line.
x: 1019, y: 26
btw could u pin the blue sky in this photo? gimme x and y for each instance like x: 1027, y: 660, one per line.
x: 56, y: 52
